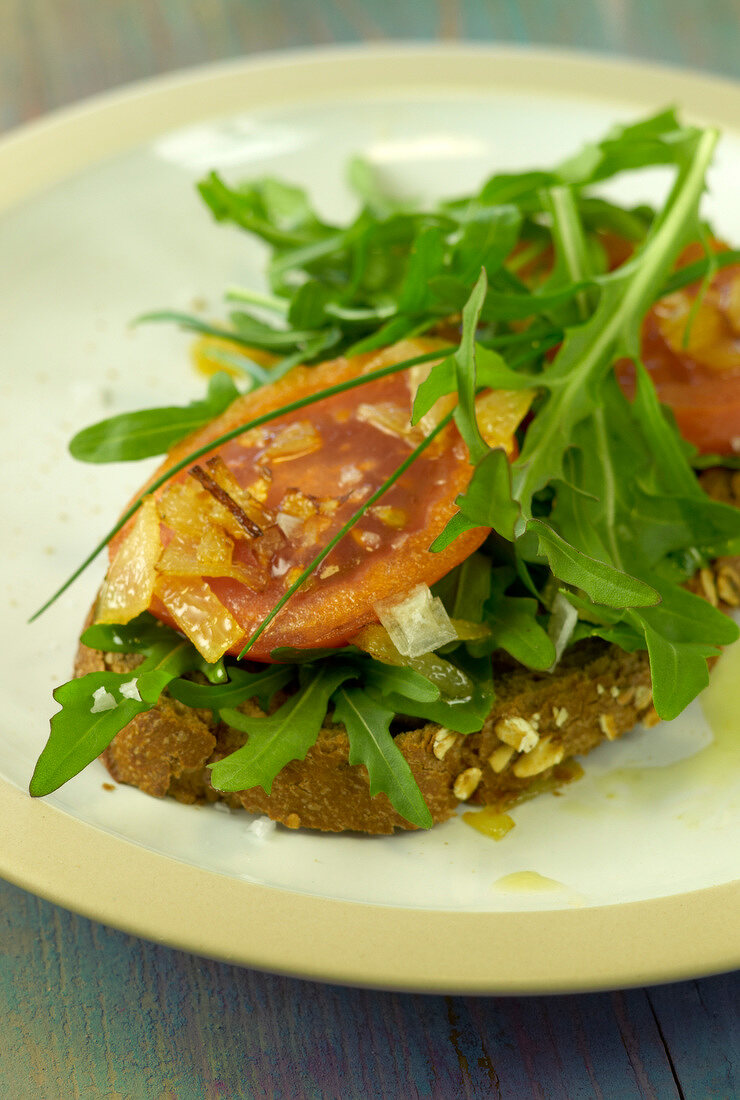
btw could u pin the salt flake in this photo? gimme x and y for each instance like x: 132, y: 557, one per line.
x: 130, y: 690
x: 102, y: 700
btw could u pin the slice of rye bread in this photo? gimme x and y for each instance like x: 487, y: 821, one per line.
x: 539, y: 721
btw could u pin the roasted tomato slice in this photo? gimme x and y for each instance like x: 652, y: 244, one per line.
x: 237, y: 528
x: 698, y: 377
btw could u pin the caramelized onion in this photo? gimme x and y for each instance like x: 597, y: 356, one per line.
x: 498, y: 412
x: 199, y: 614
x: 227, y: 501
x: 127, y: 589
x: 417, y: 622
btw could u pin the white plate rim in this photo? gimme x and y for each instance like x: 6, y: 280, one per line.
x: 105, y: 877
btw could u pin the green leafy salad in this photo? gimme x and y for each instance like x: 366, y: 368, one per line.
x: 594, y: 519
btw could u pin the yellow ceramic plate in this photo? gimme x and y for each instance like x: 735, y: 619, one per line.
x: 629, y: 876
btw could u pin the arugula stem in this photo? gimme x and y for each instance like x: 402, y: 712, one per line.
x: 609, y: 494
x: 570, y: 241
x: 528, y: 336
x: 596, y: 341
x: 354, y: 518
x: 309, y: 253
x: 255, y: 297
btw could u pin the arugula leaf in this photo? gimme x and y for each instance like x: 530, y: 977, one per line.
x: 425, y: 259
x: 464, y: 714
x: 143, y: 633
x: 572, y: 253
x: 397, y: 680
x: 604, y: 583
x: 520, y: 188
x: 460, y: 715
x: 659, y: 139
x: 466, y: 588
x: 279, y: 213
x: 613, y: 330
x: 504, y: 305
x: 135, y: 636
x: 620, y: 505
x: 241, y: 686
x: 489, y: 236
x: 370, y: 743
x: 364, y: 180
x: 598, y: 214
x: 465, y: 373
x: 276, y: 739
x: 515, y: 626
x: 191, y: 323
x: 148, y: 432
x: 602, y: 498
x: 676, y: 635
x: 80, y: 731
x: 491, y: 372
x: 487, y: 501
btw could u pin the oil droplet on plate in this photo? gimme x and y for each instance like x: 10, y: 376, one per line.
x: 527, y: 882
x: 211, y: 354
x: 721, y: 705
x: 489, y: 821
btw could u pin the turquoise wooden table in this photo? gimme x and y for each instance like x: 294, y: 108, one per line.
x: 92, y: 1012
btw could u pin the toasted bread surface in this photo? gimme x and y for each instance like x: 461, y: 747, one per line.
x: 539, y: 722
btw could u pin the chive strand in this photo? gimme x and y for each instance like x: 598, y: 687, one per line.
x: 193, y: 456
x: 293, y: 406
x: 354, y: 518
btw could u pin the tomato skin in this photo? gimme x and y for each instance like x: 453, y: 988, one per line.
x: 700, y: 380
x: 385, y: 555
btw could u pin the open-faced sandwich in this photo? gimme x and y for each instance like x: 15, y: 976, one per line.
x: 459, y: 505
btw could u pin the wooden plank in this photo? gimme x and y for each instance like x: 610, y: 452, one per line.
x: 709, y: 1012
x: 56, y: 51
x: 91, y: 1011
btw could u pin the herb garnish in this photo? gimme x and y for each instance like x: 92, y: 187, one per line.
x: 601, y: 508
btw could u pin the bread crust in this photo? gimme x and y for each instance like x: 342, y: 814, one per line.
x: 599, y: 693
x: 539, y: 722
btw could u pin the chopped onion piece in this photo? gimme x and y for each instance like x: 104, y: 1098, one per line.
x: 214, y: 549
x: 416, y: 622
x: 499, y: 413
x: 182, y: 507
x: 102, y: 701
x: 468, y: 631
x: 563, y: 618
x: 288, y: 524
x: 211, y: 557
x: 128, y: 586
x: 451, y: 680
x: 390, y: 419
x: 390, y: 516
x: 293, y: 441
x: 200, y: 614
x: 707, y: 333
